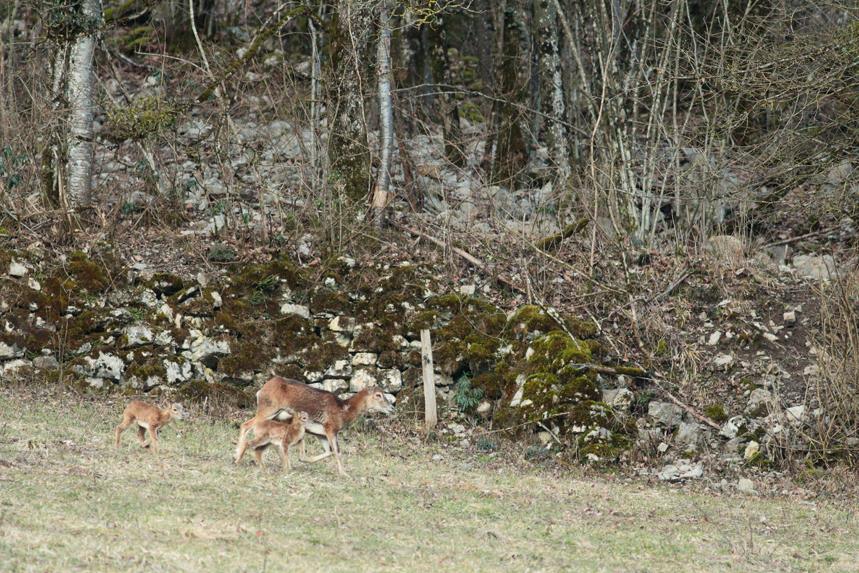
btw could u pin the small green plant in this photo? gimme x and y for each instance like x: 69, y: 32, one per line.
x: 536, y: 453
x: 263, y: 288
x: 485, y: 444
x: 465, y: 396
x: 221, y: 253
x: 10, y: 165
x: 144, y: 118
x: 136, y: 313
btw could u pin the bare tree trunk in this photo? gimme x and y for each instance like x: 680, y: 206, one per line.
x: 80, y: 92
x: 348, y: 152
x: 510, y: 153
x: 386, y: 114
x: 437, y: 49
x: 552, y: 86
x: 315, y: 105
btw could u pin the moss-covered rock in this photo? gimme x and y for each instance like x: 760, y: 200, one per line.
x: 214, y: 394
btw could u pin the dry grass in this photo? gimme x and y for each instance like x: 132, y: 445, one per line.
x: 70, y: 502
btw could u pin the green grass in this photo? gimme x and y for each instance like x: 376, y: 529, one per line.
x: 69, y: 501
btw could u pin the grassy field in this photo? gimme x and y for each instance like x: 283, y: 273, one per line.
x: 69, y: 501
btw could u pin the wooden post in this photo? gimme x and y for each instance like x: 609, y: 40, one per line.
x: 430, y: 412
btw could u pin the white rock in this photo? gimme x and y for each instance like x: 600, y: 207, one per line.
x: 795, y: 415
x: 689, y: 434
x: 364, y: 359
x: 620, y: 398
x: 297, y: 309
x: 662, y: 447
x: 335, y: 385
x: 204, y: 348
x: 312, y: 376
x: 752, y: 449
x: 789, y: 317
x: 467, y: 290
x: 484, y: 408
x: 665, y: 413
x: 723, y: 360
x: 714, y: 338
x: 45, y: 363
x: 770, y: 336
x: 34, y: 284
x: 217, y: 301
x: 13, y: 366
x: 517, y: 396
x: 177, y: 372
x: 391, y: 380
x: 8, y: 352
x: 166, y: 311
x: 731, y: 428
x: 105, y: 366
x: 456, y: 428
x: 821, y: 268
x: 747, y: 486
x: 340, y: 369
x: 94, y: 382
x: 362, y: 379
x: 342, y: 324
x: 137, y: 335
x: 17, y: 270
x: 681, y: 470
x: 759, y: 397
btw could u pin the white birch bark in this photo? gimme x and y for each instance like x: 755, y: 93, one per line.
x: 386, y: 113
x: 80, y: 96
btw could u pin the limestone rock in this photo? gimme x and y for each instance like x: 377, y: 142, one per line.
x: 45, y: 363
x: 107, y: 366
x: 17, y: 270
x: 364, y: 359
x: 297, y: 309
x: 819, y: 268
x: 682, y: 470
x: 391, y: 380
x: 340, y: 369
x: 137, y: 335
x: 8, y: 352
x: 620, y: 398
x: 361, y: 379
x: 342, y: 324
x: 665, y: 413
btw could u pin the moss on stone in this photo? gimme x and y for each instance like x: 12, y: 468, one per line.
x: 165, y: 284
x: 322, y: 355
x: 87, y: 273
x: 246, y: 356
x: 215, y: 394
x: 330, y: 300
x: 376, y: 339
x: 716, y: 412
x: 144, y: 369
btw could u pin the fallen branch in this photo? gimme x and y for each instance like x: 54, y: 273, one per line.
x: 465, y: 255
x: 800, y: 237
x: 692, y: 411
x: 554, y: 241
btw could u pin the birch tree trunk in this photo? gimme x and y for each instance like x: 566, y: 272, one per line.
x: 79, y: 94
x: 386, y: 114
x: 552, y: 87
